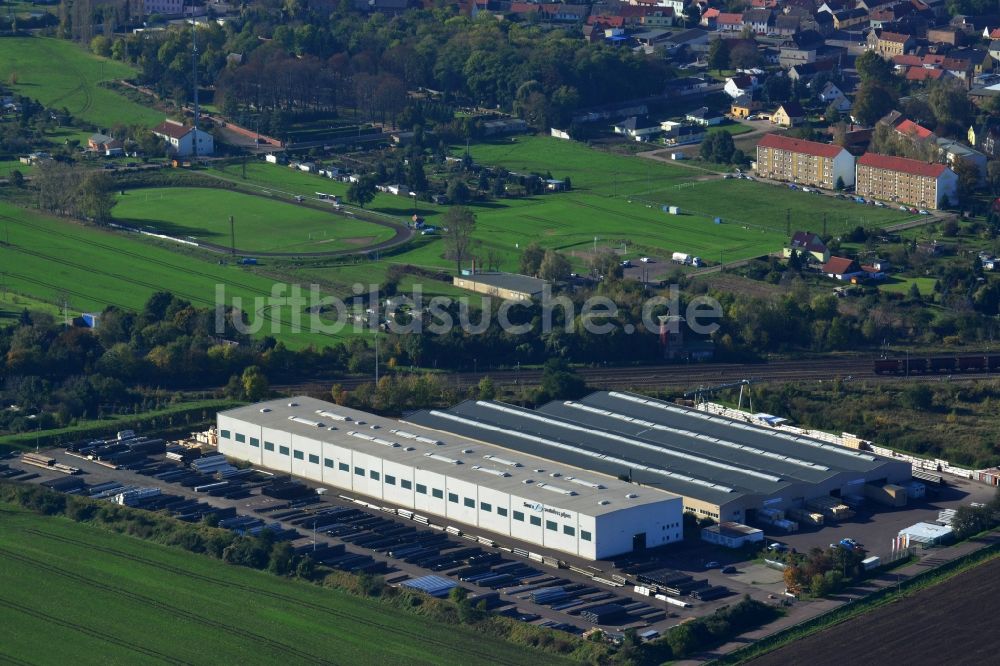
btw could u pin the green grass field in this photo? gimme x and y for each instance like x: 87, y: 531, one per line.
x: 59, y: 73
x: 262, y: 224
x: 619, y: 198
x: 273, y: 177
x: 902, y: 285
x: 75, y: 593
x: 52, y: 259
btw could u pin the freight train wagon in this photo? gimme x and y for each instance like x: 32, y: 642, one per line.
x: 937, y: 364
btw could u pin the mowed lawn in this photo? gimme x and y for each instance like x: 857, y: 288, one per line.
x: 52, y: 259
x: 261, y: 224
x: 74, y: 593
x: 59, y: 73
x: 619, y: 198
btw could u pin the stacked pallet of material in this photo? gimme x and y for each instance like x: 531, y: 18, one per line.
x: 605, y: 614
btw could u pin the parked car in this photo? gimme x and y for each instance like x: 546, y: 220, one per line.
x: 924, y: 211
x: 777, y: 547
x: 646, y: 260
x: 729, y: 569
x: 712, y: 565
x: 903, y: 208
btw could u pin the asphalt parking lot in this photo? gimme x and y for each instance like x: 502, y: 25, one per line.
x: 873, y: 527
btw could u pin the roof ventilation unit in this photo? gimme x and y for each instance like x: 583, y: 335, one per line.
x: 299, y: 419
x: 494, y: 472
x: 409, y: 448
x: 631, y: 496
x: 528, y: 481
x: 556, y: 489
x: 293, y: 404
x: 502, y: 461
x: 446, y: 459
x: 603, y: 503
x: 265, y: 410
x: 332, y: 415
x: 466, y: 450
x: 584, y: 482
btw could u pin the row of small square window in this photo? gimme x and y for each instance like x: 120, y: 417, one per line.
x: 406, y: 484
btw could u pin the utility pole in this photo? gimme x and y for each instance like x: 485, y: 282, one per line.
x: 232, y: 235
x: 375, y: 318
x: 194, y: 84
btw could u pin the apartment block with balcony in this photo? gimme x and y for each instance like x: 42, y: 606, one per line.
x: 804, y: 162
x: 905, y: 181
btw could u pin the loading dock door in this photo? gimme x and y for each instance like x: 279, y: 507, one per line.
x: 639, y: 542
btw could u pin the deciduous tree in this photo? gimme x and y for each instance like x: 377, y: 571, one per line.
x: 460, y: 223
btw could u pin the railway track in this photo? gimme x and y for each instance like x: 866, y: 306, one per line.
x: 686, y: 377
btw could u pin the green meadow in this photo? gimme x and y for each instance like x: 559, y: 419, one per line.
x: 261, y: 224
x: 59, y: 73
x: 75, y: 593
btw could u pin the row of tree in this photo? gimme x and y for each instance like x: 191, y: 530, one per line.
x: 301, y: 61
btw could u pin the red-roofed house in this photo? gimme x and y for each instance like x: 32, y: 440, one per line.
x: 808, y: 244
x: 606, y: 21
x: 709, y: 18
x: 807, y: 162
x: 182, y: 140
x: 904, y: 180
x: 911, y: 129
x: 726, y: 22
x: 924, y: 74
x: 842, y: 268
x: 523, y: 8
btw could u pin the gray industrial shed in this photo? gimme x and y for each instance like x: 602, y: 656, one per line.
x: 722, y: 468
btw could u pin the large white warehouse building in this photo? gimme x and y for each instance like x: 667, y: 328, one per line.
x: 468, y: 482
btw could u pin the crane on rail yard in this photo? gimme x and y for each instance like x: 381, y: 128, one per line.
x: 699, y: 393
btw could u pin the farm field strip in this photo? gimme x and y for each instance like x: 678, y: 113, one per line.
x: 168, y: 605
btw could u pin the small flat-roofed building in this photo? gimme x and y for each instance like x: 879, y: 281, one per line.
x: 731, y: 535
x: 926, y: 534
x: 509, y: 286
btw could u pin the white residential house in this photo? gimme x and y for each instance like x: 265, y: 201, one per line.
x: 831, y: 94
x: 741, y: 84
x: 638, y: 128
x: 703, y: 116
x: 184, y: 140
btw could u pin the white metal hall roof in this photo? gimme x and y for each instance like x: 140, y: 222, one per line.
x: 533, y: 477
